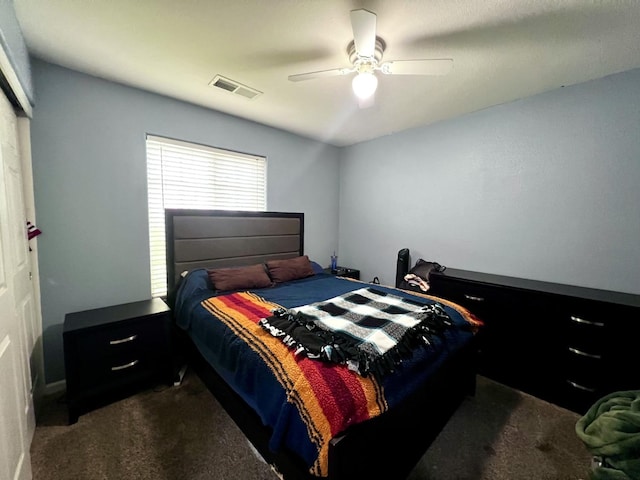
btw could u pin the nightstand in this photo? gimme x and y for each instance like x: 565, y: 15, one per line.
x: 345, y: 272
x: 111, y: 352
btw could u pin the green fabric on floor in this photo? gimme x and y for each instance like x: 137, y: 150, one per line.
x: 611, y: 430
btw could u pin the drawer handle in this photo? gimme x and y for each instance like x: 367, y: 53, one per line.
x: 123, y: 340
x: 586, y: 322
x: 584, y: 354
x: 472, y: 298
x: 126, y: 365
x: 581, y: 387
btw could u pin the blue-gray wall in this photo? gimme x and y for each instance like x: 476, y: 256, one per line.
x: 13, y: 44
x: 543, y: 188
x: 546, y: 188
x: 89, y: 167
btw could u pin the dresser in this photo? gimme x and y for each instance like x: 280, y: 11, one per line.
x: 568, y: 345
x: 113, y: 351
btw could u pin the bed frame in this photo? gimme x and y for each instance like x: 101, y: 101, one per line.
x: 388, y: 446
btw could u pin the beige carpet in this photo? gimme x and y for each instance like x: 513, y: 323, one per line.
x: 504, y: 434
x: 182, y: 433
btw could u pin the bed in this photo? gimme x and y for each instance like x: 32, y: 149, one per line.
x: 310, y: 412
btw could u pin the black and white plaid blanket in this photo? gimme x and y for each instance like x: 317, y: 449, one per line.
x: 368, y: 329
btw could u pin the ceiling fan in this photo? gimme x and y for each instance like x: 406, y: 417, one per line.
x: 365, y: 54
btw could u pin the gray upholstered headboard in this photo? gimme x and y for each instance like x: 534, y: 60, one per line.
x: 223, y: 238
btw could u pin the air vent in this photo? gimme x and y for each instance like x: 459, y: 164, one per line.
x: 234, y: 87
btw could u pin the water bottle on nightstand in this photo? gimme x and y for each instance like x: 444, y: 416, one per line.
x: 334, y: 263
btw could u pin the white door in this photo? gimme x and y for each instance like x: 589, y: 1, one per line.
x: 17, y: 310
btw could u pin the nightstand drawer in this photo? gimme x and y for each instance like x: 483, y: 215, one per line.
x: 115, y: 354
x: 119, y: 343
x: 105, y: 376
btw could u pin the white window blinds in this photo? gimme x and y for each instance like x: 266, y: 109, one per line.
x: 186, y: 175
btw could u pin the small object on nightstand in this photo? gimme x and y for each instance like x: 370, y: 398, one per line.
x: 110, y: 352
x: 334, y: 263
x: 344, y: 272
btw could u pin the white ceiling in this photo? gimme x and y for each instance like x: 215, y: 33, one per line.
x: 502, y: 50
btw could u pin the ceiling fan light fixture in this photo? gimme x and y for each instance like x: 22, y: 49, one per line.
x: 364, y: 85
x: 365, y: 54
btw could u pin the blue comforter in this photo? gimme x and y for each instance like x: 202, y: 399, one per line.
x: 240, y: 360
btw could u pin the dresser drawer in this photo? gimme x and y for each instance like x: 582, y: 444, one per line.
x: 481, y: 300
x: 589, y: 338
x: 566, y: 344
x: 585, y: 370
x: 509, y: 343
x: 606, y: 331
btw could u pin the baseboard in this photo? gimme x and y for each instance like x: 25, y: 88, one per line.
x: 37, y: 392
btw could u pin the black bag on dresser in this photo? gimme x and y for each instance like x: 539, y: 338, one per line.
x: 416, y: 279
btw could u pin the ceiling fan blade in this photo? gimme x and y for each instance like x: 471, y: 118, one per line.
x: 320, y: 74
x: 363, y: 23
x: 435, y: 66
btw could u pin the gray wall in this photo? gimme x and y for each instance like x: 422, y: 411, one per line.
x: 13, y: 44
x: 546, y: 188
x: 89, y: 167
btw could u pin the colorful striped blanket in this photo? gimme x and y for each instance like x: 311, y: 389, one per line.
x: 305, y: 402
x: 369, y: 330
x: 329, y: 398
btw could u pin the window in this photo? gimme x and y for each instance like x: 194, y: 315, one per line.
x: 187, y: 175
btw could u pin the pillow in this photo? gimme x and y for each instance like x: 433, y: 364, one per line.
x: 253, y: 276
x: 289, y: 269
x: 317, y: 268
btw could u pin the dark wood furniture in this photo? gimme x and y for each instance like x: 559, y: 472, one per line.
x: 111, y: 352
x: 565, y: 344
x: 387, y: 446
x: 344, y: 272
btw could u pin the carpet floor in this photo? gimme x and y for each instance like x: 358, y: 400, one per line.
x: 182, y: 433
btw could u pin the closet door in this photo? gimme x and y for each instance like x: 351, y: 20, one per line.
x: 17, y: 419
